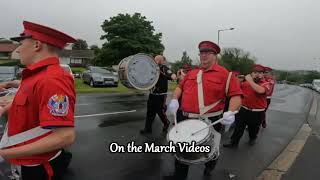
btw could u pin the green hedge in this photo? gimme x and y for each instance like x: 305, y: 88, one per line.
x: 11, y: 63
x: 78, y: 69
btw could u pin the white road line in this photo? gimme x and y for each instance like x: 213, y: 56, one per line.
x: 104, y: 114
x: 85, y: 104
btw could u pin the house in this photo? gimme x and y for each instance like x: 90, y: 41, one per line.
x: 6, y: 49
x: 76, y: 57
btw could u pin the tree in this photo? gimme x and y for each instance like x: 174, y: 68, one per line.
x: 127, y: 35
x: 310, y: 76
x: 96, y: 52
x: 235, y: 59
x: 280, y: 75
x: 80, y: 45
x: 185, y: 59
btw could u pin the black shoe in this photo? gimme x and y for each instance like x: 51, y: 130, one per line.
x: 231, y: 145
x: 252, y: 142
x: 145, y: 132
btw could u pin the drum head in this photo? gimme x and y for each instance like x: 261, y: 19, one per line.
x: 143, y: 72
x: 182, y: 132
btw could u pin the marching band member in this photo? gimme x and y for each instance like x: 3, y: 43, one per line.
x: 269, y: 78
x: 203, y: 92
x: 157, y: 97
x: 41, y: 116
x: 254, y: 103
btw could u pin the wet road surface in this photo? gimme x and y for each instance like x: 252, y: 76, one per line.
x: 103, y: 119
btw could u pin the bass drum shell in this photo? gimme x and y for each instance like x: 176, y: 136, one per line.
x: 182, y: 133
x: 139, y: 71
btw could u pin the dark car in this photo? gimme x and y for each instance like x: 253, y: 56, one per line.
x: 98, y: 76
x: 8, y: 73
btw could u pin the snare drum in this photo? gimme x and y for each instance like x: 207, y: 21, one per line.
x: 182, y: 132
x: 139, y: 71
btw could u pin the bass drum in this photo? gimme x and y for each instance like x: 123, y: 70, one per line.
x: 139, y: 71
x: 183, y: 132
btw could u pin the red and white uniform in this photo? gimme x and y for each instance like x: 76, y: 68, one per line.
x: 214, y: 82
x: 252, y: 99
x: 272, y: 82
x: 46, y: 98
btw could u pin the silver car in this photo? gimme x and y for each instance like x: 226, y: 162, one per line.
x: 98, y: 76
x: 8, y: 73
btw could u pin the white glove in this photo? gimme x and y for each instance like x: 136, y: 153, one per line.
x: 228, y: 117
x: 173, y: 106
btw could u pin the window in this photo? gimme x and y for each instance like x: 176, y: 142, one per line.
x: 76, y: 61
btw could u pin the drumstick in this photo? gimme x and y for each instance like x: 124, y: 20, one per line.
x: 212, y: 124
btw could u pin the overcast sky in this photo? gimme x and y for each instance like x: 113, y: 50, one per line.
x: 284, y: 34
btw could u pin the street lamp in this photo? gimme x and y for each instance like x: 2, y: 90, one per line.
x: 230, y: 29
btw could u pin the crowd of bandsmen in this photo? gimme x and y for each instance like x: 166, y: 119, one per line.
x: 255, y: 102
x: 45, y: 101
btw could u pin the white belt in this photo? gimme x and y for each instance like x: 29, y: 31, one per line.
x: 253, y: 110
x: 207, y: 115
x: 55, y: 156
x: 202, y: 108
x: 7, y: 141
x: 268, y: 97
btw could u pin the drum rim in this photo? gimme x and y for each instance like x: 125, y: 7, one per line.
x: 127, y: 74
x: 210, y: 134
x: 213, y: 154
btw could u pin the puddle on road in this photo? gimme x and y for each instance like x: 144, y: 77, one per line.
x: 119, y: 119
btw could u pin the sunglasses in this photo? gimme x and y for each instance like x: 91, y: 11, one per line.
x: 205, y: 53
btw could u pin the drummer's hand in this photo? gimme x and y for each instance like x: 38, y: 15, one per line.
x: 248, y: 77
x: 228, y: 117
x: 173, y: 106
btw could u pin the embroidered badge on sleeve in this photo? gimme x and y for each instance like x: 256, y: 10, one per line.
x: 58, y: 105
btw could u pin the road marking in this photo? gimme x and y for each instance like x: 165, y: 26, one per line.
x: 85, y: 104
x: 104, y: 114
x: 285, y: 160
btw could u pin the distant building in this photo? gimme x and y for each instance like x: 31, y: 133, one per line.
x: 67, y: 56
x: 6, y: 49
x: 76, y: 57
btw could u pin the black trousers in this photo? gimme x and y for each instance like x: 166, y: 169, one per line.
x: 247, y: 118
x: 59, y: 166
x: 181, y: 170
x: 179, y: 115
x: 156, y: 105
x: 264, y: 118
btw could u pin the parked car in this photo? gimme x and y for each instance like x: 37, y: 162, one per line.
x: 98, y: 76
x: 8, y: 73
x: 67, y: 68
x: 114, y: 72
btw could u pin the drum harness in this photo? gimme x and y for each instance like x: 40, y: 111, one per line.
x: 154, y: 88
x: 202, y: 108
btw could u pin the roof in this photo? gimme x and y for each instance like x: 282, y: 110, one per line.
x: 77, y: 53
x: 8, y: 47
